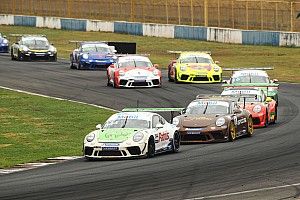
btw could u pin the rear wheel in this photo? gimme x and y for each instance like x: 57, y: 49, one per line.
x: 266, y: 120
x: 12, y: 55
x: 175, y: 77
x: 151, y: 148
x: 169, y: 76
x: 250, y: 127
x: 176, y: 142
x: 232, y: 132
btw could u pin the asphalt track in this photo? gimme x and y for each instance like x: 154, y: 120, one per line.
x: 265, y: 166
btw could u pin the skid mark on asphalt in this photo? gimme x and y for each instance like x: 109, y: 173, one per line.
x: 34, y: 165
x: 245, y: 192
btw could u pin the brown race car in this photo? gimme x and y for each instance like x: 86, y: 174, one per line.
x: 213, y: 119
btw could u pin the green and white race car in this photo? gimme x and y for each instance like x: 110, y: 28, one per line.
x: 132, y: 134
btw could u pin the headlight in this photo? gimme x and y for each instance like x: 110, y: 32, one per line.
x: 24, y: 48
x: 85, y: 56
x: 90, y: 137
x: 155, y: 72
x: 220, y: 121
x: 216, y: 69
x: 182, y: 67
x: 121, y: 73
x: 175, y: 121
x: 257, y: 108
x: 52, y: 49
x: 138, y: 136
x: 5, y: 41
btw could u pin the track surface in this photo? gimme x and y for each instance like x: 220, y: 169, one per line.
x: 249, y: 168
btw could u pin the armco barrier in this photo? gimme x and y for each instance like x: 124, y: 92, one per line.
x: 190, y: 32
x: 73, y: 24
x: 49, y: 22
x: 97, y: 25
x: 260, y: 38
x: 25, y: 21
x: 158, y: 30
x: 132, y: 28
x: 224, y: 35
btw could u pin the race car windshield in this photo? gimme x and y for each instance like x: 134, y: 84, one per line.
x: 250, y: 79
x: 36, y: 43
x: 135, y: 63
x: 96, y: 48
x: 195, y: 59
x: 249, y: 99
x: 208, y: 107
x: 127, y: 123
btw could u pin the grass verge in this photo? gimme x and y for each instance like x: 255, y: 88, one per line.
x: 285, y: 60
x: 34, y: 128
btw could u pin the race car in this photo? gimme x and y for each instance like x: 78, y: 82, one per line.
x: 254, y: 77
x: 133, y: 71
x: 194, y: 67
x: 4, y: 44
x: 92, y: 55
x: 33, y: 47
x: 132, y: 133
x: 263, y: 109
x: 213, y: 119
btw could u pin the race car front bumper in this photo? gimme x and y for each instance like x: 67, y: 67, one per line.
x: 199, y: 78
x: 115, y: 150
x: 4, y: 49
x: 206, y: 134
x: 258, y: 119
x: 39, y: 55
x: 147, y: 82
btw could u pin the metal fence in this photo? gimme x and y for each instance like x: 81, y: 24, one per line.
x: 243, y: 14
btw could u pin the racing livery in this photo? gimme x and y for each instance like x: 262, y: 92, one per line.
x: 33, y: 47
x: 133, y: 71
x: 254, y: 77
x: 194, y: 67
x: 4, y: 44
x: 92, y: 55
x: 213, y: 119
x: 263, y: 109
x: 132, y: 134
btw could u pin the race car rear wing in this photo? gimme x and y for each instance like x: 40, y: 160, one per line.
x: 172, y: 110
x: 120, y: 47
x: 179, y: 52
x: 16, y: 36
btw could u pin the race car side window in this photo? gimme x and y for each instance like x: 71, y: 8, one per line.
x: 162, y: 120
x: 155, y: 121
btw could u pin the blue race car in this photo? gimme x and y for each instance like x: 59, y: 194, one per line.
x: 3, y: 44
x: 91, y: 55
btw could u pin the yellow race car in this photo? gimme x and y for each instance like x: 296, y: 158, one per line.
x: 194, y: 67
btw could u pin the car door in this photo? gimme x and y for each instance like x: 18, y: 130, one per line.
x: 241, y: 120
x: 162, y: 135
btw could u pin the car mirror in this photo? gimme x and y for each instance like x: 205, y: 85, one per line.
x: 4, y: 36
x: 159, y: 126
x: 156, y: 66
x: 217, y: 62
x: 17, y: 43
x: 269, y: 99
x: 76, y: 50
x: 183, y: 111
x: 275, y: 80
x: 237, y: 111
x: 99, y: 126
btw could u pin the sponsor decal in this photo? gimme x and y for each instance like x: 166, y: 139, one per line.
x: 163, y: 136
x: 241, y: 121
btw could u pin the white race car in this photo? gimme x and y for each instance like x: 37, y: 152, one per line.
x: 132, y: 134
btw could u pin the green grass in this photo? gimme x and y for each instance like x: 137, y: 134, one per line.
x: 34, y: 128
x: 285, y: 60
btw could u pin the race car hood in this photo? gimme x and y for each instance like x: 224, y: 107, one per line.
x: 199, y: 66
x: 38, y: 47
x: 97, y: 55
x: 138, y: 71
x: 198, y: 120
x: 116, y: 134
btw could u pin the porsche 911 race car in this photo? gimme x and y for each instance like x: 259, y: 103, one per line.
x: 263, y: 109
x: 4, y: 44
x: 254, y: 77
x: 213, y: 119
x: 92, y: 55
x: 133, y: 71
x: 194, y: 67
x: 132, y: 133
x: 33, y: 47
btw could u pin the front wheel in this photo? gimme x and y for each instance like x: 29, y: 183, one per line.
x: 176, y: 142
x: 250, y: 127
x: 12, y: 55
x: 20, y: 56
x: 232, y: 132
x: 151, y: 148
x: 175, y: 78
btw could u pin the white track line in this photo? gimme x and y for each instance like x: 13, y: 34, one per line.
x: 57, y: 98
x: 245, y: 192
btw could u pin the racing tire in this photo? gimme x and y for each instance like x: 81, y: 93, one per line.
x: 266, y: 124
x: 20, y: 56
x: 12, y: 55
x: 108, y: 82
x: 151, y: 148
x: 79, y: 66
x: 250, y: 127
x: 169, y: 77
x: 231, y: 132
x: 115, y: 84
x: 176, y: 142
x: 175, y: 78
x: 54, y: 59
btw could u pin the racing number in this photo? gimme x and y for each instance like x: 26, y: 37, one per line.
x: 163, y: 136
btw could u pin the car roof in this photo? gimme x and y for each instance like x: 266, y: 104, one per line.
x: 215, y: 98
x: 191, y: 53
x: 134, y: 57
x: 35, y: 37
x: 241, y: 91
x: 135, y: 115
x: 101, y: 43
x: 250, y: 73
